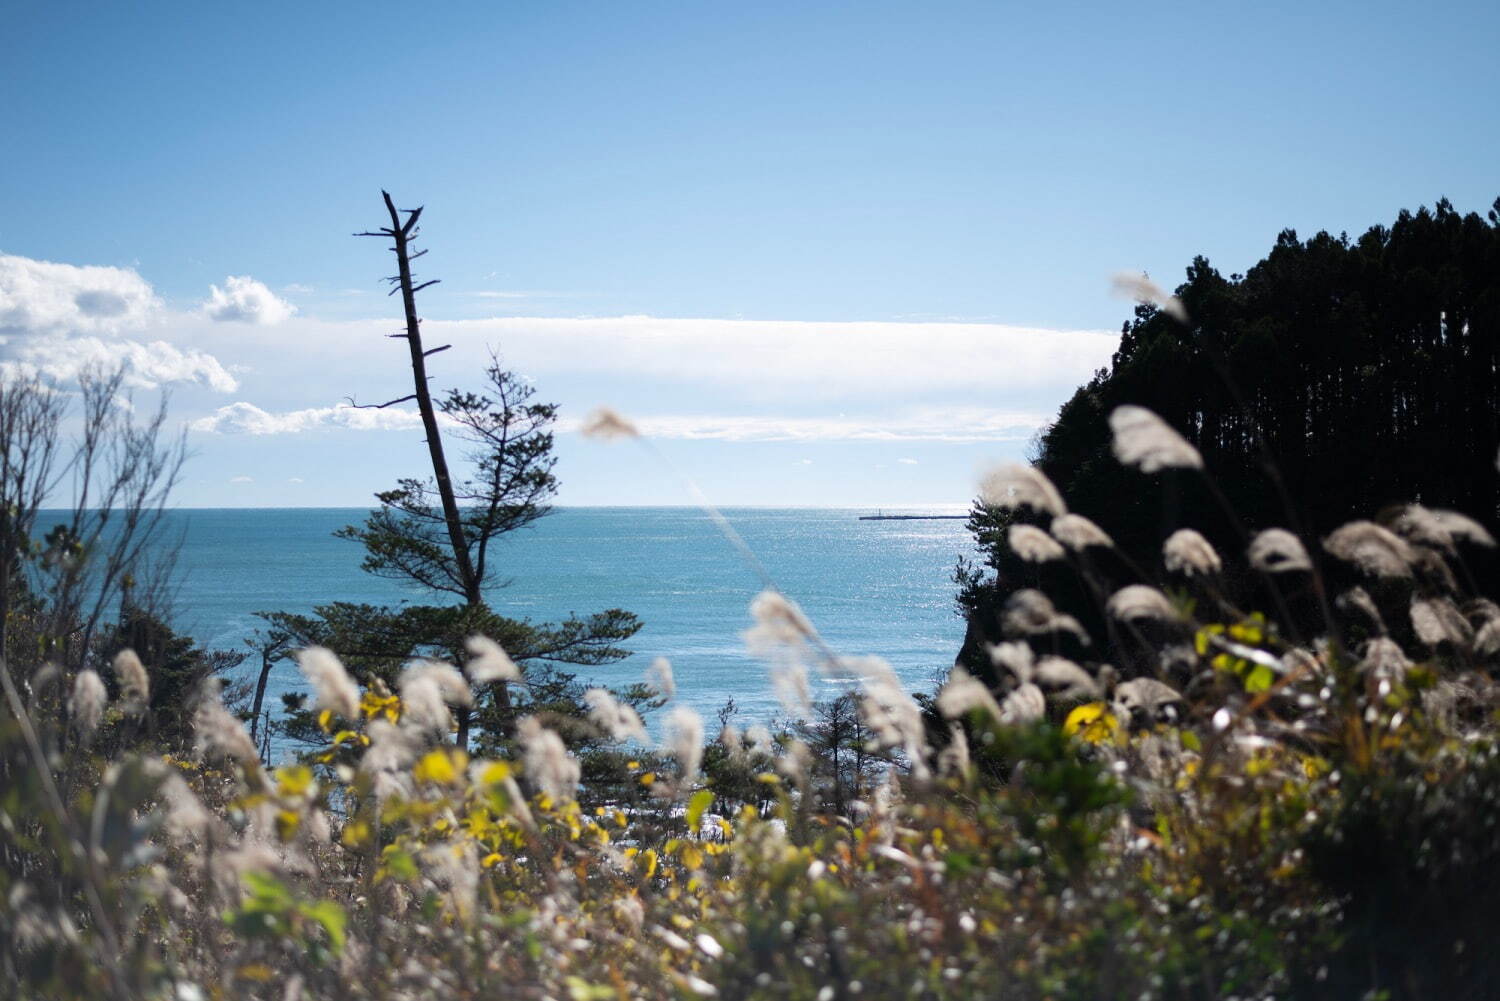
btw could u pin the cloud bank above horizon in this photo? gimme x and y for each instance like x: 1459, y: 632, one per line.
x: 780, y: 384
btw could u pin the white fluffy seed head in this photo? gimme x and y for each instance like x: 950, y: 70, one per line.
x: 778, y: 623
x: 86, y: 704
x: 1276, y: 550
x: 135, y: 684
x: 1189, y: 553
x: 1015, y: 485
x: 1144, y: 440
x: 336, y: 691
x: 1438, y: 620
x: 619, y: 721
x: 608, y: 425
x: 1029, y: 612
x: 1033, y: 545
x: 549, y: 766
x: 685, y: 740
x: 1079, y: 533
x: 1136, y: 602
x: 1375, y: 550
x: 659, y: 676
x: 217, y: 733
x: 964, y: 693
x: 1136, y: 286
x: 488, y: 662
x: 454, y: 689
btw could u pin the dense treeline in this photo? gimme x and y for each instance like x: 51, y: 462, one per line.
x: 1334, y: 378
x: 1364, y: 371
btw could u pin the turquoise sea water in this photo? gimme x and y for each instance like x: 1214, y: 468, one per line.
x: 870, y: 587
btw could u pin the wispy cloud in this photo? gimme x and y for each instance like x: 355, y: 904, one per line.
x: 935, y: 425
x: 786, y: 357
x: 247, y: 418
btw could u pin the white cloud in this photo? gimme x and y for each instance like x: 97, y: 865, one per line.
x: 46, y: 298
x: 907, y: 462
x: 785, y: 357
x: 247, y: 418
x: 294, y: 479
x: 241, y: 479
x: 58, y: 319
x: 935, y: 425
x: 147, y: 365
x: 245, y: 300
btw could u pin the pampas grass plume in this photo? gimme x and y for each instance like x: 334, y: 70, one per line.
x: 1078, y: 533
x: 685, y: 740
x: 1144, y: 440
x: 659, y: 676
x: 86, y: 704
x: 336, y: 691
x: 607, y: 424
x: 1015, y: 485
x: 1276, y: 550
x: 489, y: 662
x: 1375, y: 550
x: 1136, y: 286
x: 1033, y: 545
x: 615, y: 718
x: 1140, y: 601
x: 548, y: 764
x: 135, y: 683
x: 1187, y: 552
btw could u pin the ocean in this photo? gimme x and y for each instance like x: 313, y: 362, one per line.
x: 869, y: 587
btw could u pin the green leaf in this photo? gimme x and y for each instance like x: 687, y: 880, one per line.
x: 701, y: 801
x: 332, y: 917
x: 1259, y: 679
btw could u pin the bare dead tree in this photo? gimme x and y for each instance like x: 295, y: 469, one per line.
x: 110, y: 551
x: 31, y: 414
x: 401, y: 235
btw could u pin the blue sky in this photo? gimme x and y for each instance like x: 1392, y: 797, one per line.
x: 831, y: 254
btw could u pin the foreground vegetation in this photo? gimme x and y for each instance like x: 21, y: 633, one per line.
x: 1236, y: 810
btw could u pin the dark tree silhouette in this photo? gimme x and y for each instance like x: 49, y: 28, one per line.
x: 1335, y: 377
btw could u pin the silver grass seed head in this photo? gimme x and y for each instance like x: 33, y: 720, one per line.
x: 685, y: 740
x: 135, y: 683
x: 1029, y: 612
x: 1463, y: 528
x: 548, y: 764
x: 336, y: 691
x: 1136, y: 602
x: 1357, y: 602
x: 963, y: 693
x: 448, y: 681
x: 1276, y: 550
x: 86, y: 704
x: 659, y: 676
x: 1437, y: 621
x: 620, y: 721
x: 488, y: 662
x: 778, y: 622
x: 1026, y: 704
x: 218, y: 734
x: 607, y: 424
x: 1079, y: 533
x: 1144, y: 440
x: 1015, y: 485
x: 1013, y: 657
x: 1033, y: 545
x: 423, y: 707
x: 1136, y: 286
x: 1374, y: 550
x: 1188, y: 553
